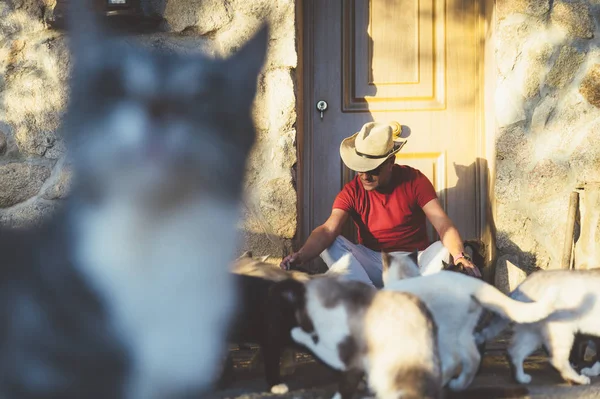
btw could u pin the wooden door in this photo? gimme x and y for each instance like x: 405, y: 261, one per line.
x: 414, y: 62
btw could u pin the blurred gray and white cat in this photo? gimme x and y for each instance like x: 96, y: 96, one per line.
x: 127, y: 292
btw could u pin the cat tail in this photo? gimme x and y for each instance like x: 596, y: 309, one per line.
x: 500, y: 322
x: 492, y: 299
x: 488, y: 393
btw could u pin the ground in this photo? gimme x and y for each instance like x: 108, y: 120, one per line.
x: 311, y: 380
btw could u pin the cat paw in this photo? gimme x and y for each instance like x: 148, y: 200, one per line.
x: 336, y: 395
x: 297, y: 334
x: 456, y: 384
x: 581, y: 380
x: 523, y: 378
x: 593, y: 371
x: 279, y: 389
x: 479, y: 339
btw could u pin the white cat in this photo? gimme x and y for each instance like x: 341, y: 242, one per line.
x: 577, y: 290
x: 456, y: 302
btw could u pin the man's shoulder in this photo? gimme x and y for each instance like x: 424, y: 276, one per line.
x: 352, y: 187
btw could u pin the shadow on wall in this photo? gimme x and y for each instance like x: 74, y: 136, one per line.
x: 477, y: 171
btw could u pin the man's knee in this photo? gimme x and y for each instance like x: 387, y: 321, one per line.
x: 437, y: 247
x: 336, y: 250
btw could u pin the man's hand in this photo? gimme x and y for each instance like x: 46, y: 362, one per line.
x: 469, y: 267
x: 290, y: 260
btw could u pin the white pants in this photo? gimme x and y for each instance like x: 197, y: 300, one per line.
x: 365, y: 264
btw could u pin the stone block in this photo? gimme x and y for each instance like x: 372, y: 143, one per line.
x: 542, y: 113
x: 590, y: 86
x: 529, y: 7
x: 513, y: 143
x: 20, y: 181
x: 515, y: 228
x: 278, y: 206
x: 564, y: 69
x: 536, y: 67
x: 30, y: 213
x: 507, y: 187
x: 282, y: 152
x: 265, y: 245
x: 282, y: 99
x: 35, y: 95
x: 508, y: 273
x: 546, y: 180
x: 3, y: 143
x: 59, y: 184
x: 201, y: 17
x: 574, y: 18
x: 548, y: 226
x: 509, y: 105
x: 585, y: 158
x: 511, y: 35
x: 275, y: 106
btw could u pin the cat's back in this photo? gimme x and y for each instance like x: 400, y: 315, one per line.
x: 439, y: 288
x: 572, y: 285
x: 252, y: 267
x: 401, y: 340
x: 395, y: 320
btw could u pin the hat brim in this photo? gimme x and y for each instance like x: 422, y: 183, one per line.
x: 359, y: 163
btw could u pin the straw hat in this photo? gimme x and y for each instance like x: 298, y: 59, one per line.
x: 369, y: 148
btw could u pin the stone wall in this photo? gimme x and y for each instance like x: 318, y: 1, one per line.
x: 33, y: 72
x: 34, y: 67
x: 547, y: 107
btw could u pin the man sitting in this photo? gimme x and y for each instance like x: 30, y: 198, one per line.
x: 389, y: 204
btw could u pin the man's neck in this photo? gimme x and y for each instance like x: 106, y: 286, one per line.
x: 385, y: 188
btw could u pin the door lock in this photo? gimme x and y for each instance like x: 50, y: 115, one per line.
x: 322, y: 107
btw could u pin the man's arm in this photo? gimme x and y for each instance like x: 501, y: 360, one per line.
x: 448, y: 234
x: 319, y: 240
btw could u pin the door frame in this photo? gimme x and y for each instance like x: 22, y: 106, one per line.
x: 485, y: 168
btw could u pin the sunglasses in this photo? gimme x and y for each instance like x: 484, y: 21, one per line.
x: 376, y: 171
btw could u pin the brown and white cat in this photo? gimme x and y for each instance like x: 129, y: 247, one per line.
x: 352, y: 327
x: 456, y: 302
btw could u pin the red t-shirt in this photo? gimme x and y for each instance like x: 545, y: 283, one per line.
x: 391, y: 221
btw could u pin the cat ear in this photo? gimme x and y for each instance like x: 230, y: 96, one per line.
x: 407, y: 266
x: 264, y: 258
x: 445, y: 265
x: 385, y: 260
x: 245, y: 65
x: 84, y: 30
x: 87, y: 40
